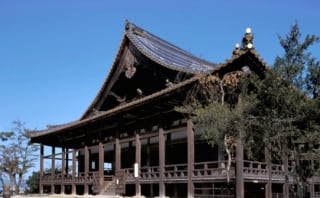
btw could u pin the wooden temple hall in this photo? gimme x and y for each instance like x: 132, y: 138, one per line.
x: 131, y: 141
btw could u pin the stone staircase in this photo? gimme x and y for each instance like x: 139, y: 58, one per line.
x: 109, y: 188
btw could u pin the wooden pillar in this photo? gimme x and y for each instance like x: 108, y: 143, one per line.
x: 67, y: 162
x: 239, y: 169
x: 285, y: 162
x: 53, y: 168
x: 148, y: 162
x: 268, y: 188
x: 138, y: 161
x: 63, y: 167
x: 86, y: 169
x: 117, y: 155
x: 73, y: 185
x: 41, y: 168
x: 190, y: 140
x: 101, y: 165
x: 117, y: 161
x: 311, y: 183
x: 162, y: 157
x: 311, y: 188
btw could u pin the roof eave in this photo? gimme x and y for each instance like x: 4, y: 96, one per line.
x: 113, y: 111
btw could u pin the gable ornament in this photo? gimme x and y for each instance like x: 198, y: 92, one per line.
x: 130, y: 71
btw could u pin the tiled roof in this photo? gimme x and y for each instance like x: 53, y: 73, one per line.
x: 159, y: 51
x: 166, y: 54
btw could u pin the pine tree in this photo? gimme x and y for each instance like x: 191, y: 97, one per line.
x: 297, y: 66
x: 302, y: 71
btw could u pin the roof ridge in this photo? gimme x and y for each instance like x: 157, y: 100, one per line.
x: 132, y: 27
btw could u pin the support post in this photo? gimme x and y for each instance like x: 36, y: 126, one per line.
x: 311, y: 188
x: 67, y: 162
x: 117, y: 162
x: 101, y: 166
x: 162, y: 152
x: 285, y: 162
x: 190, y: 139
x: 117, y: 155
x: 63, y: 167
x: 41, y: 168
x: 268, y: 188
x: 138, y: 161
x: 86, y: 169
x: 149, y: 162
x: 53, y: 168
x: 239, y: 169
x: 74, y: 157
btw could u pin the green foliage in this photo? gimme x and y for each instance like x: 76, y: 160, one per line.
x: 297, y: 66
x: 279, y: 111
x: 313, y: 78
x: 280, y: 114
x: 217, y: 121
x: 299, y: 69
x: 33, y: 183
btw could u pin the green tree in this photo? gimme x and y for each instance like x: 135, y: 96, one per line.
x: 299, y: 69
x: 33, y: 182
x: 278, y: 111
x: 297, y: 66
x: 313, y: 78
x: 280, y: 120
x: 216, y: 105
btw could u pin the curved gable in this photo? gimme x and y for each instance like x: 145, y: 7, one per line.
x: 144, y: 64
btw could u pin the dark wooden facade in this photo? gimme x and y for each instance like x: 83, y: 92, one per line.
x: 131, y: 141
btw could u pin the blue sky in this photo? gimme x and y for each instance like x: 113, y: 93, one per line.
x: 55, y: 55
